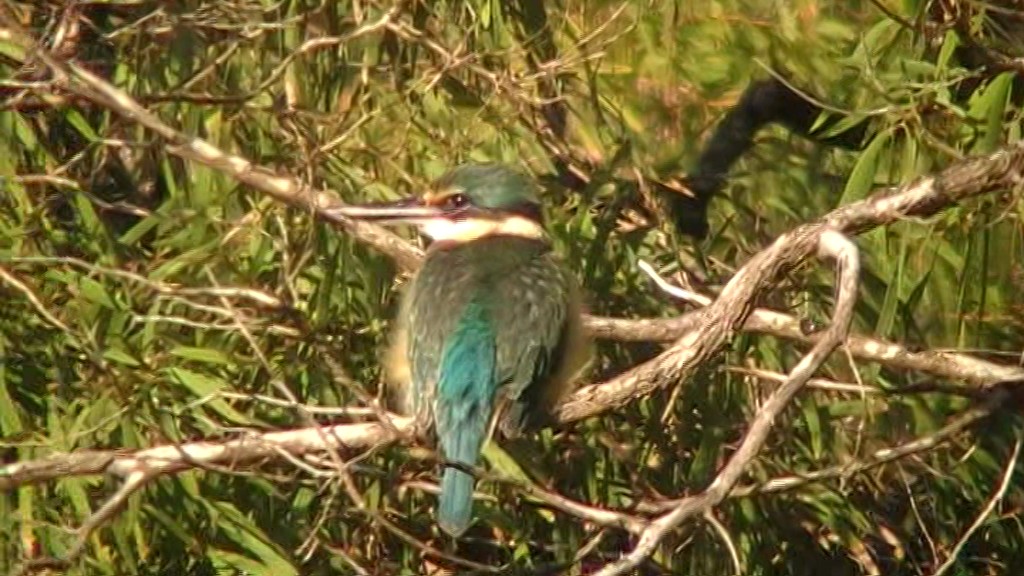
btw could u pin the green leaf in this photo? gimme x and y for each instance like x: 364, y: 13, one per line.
x: 813, y: 421
x: 119, y: 356
x: 96, y: 292
x: 887, y: 314
x: 950, y: 42
x: 501, y: 461
x: 242, y: 531
x: 12, y: 50
x: 207, y: 355
x: 10, y: 420
x: 74, y: 117
x: 207, y: 388
x: 862, y: 179
x: 991, y: 106
x: 139, y: 230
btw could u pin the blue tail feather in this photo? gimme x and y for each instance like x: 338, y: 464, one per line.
x: 455, y: 509
x: 465, y: 392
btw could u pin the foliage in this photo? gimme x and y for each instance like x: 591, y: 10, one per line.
x: 149, y: 301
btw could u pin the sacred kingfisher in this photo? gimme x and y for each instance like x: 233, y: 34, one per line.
x: 489, y: 329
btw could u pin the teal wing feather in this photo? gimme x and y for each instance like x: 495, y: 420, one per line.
x: 465, y: 401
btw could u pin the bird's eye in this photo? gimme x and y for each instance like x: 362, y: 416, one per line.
x: 458, y: 201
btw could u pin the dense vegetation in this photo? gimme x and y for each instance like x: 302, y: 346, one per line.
x: 149, y: 300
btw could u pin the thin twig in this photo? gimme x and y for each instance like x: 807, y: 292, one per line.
x: 816, y: 383
x: 723, y: 533
x: 132, y: 483
x: 994, y: 501
x: 20, y: 286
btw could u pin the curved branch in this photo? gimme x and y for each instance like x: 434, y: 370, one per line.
x: 994, y: 400
x: 831, y: 244
x: 951, y: 365
x: 971, y: 177
x: 291, y: 191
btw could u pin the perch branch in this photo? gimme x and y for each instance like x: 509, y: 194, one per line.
x: 173, y: 458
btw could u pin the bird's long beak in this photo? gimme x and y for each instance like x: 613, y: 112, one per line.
x: 410, y: 210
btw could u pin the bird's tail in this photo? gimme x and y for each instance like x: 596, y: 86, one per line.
x: 465, y: 393
x: 455, y: 509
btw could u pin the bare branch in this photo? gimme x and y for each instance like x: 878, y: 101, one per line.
x: 994, y: 401
x: 597, y: 516
x: 723, y: 533
x: 817, y: 383
x: 172, y: 458
x: 945, y: 364
x: 85, y: 84
x: 831, y: 244
x: 927, y: 196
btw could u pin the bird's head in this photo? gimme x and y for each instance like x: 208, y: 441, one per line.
x: 469, y: 202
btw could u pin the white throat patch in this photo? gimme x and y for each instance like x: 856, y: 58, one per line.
x: 475, y: 228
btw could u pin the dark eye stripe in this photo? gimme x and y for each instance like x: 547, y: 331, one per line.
x: 529, y: 211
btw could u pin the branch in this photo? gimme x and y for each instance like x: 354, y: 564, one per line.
x: 945, y: 364
x: 964, y: 179
x: 831, y: 244
x: 173, y: 458
x: 291, y: 191
x: 603, y: 517
x: 995, y: 399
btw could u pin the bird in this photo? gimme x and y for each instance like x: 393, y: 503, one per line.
x: 489, y: 331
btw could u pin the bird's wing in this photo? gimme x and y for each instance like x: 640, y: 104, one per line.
x: 431, y: 311
x: 533, y: 337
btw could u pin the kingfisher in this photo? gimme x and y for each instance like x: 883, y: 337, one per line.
x: 488, y: 332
